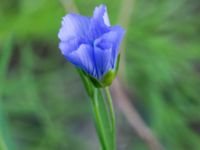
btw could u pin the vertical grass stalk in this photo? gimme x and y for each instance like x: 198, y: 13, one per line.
x: 112, y: 116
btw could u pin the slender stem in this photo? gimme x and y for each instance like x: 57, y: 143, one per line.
x: 98, y: 121
x: 106, y: 107
x: 112, y: 115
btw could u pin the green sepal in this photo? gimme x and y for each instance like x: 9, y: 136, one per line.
x: 87, y: 84
x: 108, y: 78
x: 95, y: 82
x: 117, y: 66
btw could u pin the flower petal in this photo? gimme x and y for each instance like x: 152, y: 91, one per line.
x: 100, y: 13
x: 95, y: 62
x: 100, y: 22
x: 83, y: 58
x: 111, y: 39
x: 69, y: 46
x: 73, y: 25
x: 102, y: 61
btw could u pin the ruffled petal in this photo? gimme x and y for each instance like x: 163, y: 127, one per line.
x: 102, y: 61
x: 74, y: 25
x: 95, y: 62
x: 83, y: 58
x: 112, y: 40
x: 99, y: 22
x: 69, y: 46
x: 100, y: 13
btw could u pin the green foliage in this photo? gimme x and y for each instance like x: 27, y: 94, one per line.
x: 162, y: 52
x: 5, y: 142
x: 42, y: 96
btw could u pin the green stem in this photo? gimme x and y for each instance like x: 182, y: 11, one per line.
x: 103, y: 113
x: 98, y: 120
x: 112, y: 115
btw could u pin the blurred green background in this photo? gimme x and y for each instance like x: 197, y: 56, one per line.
x: 43, y: 105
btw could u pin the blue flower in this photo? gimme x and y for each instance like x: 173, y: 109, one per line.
x: 91, y: 43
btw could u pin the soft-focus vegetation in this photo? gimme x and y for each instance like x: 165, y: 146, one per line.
x: 43, y: 105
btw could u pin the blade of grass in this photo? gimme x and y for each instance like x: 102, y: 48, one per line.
x: 5, y: 139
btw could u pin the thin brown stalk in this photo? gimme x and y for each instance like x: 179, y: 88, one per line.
x: 133, y: 117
